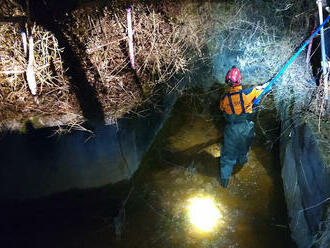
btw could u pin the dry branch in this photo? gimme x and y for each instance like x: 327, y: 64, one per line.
x: 164, y: 47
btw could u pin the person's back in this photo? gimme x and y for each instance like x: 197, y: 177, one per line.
x: 237, y: 105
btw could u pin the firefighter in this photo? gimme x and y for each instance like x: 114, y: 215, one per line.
x: 237, y: 107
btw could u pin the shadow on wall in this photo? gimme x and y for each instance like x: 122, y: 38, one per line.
x: 46, y: 14
x: 38, y: 163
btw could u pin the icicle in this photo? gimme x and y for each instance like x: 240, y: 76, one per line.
x: 30, y: 74
x: 130, y: 37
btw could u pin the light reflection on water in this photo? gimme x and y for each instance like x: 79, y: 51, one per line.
x: 183, y: 164
x: 204, y: 214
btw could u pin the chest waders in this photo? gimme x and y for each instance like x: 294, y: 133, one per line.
x: 238, y: 137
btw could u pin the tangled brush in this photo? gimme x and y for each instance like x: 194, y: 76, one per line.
x: 165, y: 46
x: 162, y: 51
x: 53, y: 96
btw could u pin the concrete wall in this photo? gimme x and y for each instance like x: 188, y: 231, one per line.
x: 306, y: 181
x: 37, y: 163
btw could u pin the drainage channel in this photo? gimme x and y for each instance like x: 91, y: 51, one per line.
x: 151, y: 210
x: 183, y: 164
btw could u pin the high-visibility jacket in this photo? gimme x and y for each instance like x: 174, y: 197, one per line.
x: 238, y: 101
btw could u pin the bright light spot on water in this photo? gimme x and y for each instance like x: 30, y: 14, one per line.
x: 203, y: 213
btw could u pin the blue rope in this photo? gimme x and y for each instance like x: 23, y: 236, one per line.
x: 268, y: 87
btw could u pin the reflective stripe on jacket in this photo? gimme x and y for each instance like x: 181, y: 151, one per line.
x: 239, y: 101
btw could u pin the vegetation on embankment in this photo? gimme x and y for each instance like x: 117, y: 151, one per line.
x: 82, y: 64
x: 81, y: 59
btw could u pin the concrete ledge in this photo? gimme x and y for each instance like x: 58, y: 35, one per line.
x: 306, y: 182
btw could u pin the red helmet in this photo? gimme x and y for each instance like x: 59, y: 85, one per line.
x: 234, y: 77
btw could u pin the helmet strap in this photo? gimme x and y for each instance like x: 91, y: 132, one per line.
x: 230, y: 83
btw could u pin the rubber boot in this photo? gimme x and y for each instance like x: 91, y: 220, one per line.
x: 242, y: 160
x: 224, y: 182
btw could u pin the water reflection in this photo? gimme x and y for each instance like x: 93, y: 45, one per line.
x: 151, y: 209
x: 183, y: 164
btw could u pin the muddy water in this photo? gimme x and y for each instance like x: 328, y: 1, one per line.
x: 184, y: 163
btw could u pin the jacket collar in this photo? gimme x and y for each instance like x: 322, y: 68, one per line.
x: 235, y: 89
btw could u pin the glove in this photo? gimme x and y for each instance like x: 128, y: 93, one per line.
x: 261, y: 87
